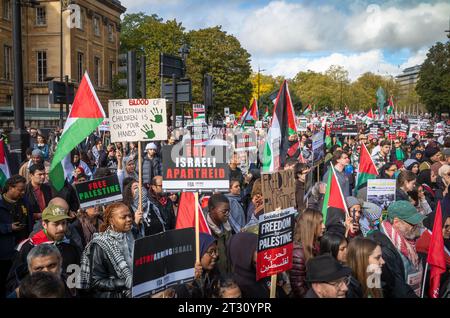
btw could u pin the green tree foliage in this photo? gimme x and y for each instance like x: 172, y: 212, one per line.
x: 219, y: 54
x: 433, y: 86
x: 150, y: 35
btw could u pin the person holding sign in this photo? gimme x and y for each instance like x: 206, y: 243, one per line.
x: 217, y: 219
x: 205, y: 284
x: 106, y: 264
x: 308, y: 231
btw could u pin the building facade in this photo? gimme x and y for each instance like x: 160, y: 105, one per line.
x: 90, y: 42
x: 407, y: 95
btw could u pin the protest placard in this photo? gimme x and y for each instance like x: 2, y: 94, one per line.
x: 278, y: 190
x: 99, y: 191
x: 275, y: 243
x: 137, y: 119
x: 245, y: 146
x: 318, y: 147
x: 199, y: 168
x: 163, y: 260
x: 104, y: 126
x: 381, y: 192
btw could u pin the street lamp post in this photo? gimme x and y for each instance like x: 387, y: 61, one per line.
x: 19, y: 137
x: 183, y: 51
x: 259, y: 84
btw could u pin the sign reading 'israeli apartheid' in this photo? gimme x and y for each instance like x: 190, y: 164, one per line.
x: 137, y: 119
x: 99, y: 191
x: 275, y: 243
x: 278, y: 190
x: 195, y: 168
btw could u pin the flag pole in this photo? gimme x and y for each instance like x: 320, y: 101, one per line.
x: 424, y: 280
x: 140, y: 175
x: 273, y: 286
x: 197, y: 228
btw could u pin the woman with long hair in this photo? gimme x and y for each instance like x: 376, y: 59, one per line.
x: 335, y: 244
x: 308, y: 230
x: 88, y: 223
x: 387, y: 171
x: 106, y: 264
x: 365, y: 259
x: 42, y: 146
x: 405, y: 182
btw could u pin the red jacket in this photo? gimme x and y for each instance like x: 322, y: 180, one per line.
x: 297, y: 274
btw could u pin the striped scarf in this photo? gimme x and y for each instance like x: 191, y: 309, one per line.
x: 404, y: 246
x: 114, y: 245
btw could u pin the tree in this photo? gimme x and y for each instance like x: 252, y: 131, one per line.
x: 434, y: 79
x: 150, y: 36
x: 215, y: 52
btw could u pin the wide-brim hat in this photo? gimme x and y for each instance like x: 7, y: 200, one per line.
x: 325, y: 268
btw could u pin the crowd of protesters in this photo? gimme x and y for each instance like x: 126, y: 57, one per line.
x: 374, y: 254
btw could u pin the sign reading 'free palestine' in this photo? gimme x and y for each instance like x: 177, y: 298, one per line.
x: 99, y: 191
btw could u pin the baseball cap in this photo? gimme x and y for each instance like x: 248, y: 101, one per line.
x: 405, y: 211
x: 54, y: 213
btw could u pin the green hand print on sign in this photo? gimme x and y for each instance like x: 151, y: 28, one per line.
x: 149, y: 131
x: 158, y: 115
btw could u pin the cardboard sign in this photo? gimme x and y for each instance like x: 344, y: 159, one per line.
x: 99, y: 191
x: 381, y: 192
x: 163, y: 260
x: 275, y: 243
x: 138, y: 119
x: 278, y: 190
x: 318, y: 147
x: 198, y: 168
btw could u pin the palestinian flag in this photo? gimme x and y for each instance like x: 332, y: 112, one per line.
x: 266, y: 113
x: 252, y: 115
x: 334, y: 199
x: 367, y: 169
x: 186, y: 214
x: 346, y: 111
x: 4, y: 169
x: 244, y: 111
x: 84, y: 117
x: 390, y: 108
x: 370, y: 114
x: 282, y: 126
x: 307, y: 110
x: 436, y: 255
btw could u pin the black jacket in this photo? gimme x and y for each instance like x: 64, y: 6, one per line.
x: 69, y: 194
x: 69, y: 251
x: 167, y: 213
x: 104, y: 280
x: 33, y: 205
x: 393, y: 274
x: 150, y: 169
x: 401, y: 195
x: 9, y: 214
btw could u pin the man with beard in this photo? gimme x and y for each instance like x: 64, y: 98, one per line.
x: 397, y: 238
x: 54, y: 222
x: 162, y: 202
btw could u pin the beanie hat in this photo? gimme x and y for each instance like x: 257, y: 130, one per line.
x: 409, y: 163
x: 351, y: 201
x: 431, y: 151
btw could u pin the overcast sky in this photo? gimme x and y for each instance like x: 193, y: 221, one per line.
x: 285, y: 37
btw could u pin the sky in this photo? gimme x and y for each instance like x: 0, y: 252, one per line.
x: 285, y: 37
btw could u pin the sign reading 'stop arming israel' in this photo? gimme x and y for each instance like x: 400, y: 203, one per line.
x: 137, y: 119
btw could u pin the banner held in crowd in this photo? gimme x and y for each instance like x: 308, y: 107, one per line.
x: 99, y: 191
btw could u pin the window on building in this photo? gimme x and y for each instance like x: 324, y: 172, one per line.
x: 96, y: 26
x: 110, y: 74
x: 110, y: 33
x: 82, y: 20
x: 7, y: 62
x: 80, y: 66
x: 97, y: 71
x: 7, y: 9
x: 39, y: 101
x: 41, y: 18
x: 41, y: 65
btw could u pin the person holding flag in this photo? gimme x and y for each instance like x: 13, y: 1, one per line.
x: 85, y: 116
x: 4, y: 168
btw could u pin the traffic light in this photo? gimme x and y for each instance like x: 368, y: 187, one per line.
x: 127, y: 66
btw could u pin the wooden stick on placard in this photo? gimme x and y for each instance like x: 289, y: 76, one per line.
x: 197, y: 229
x: 140, y: 175
x: 273, y: 286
